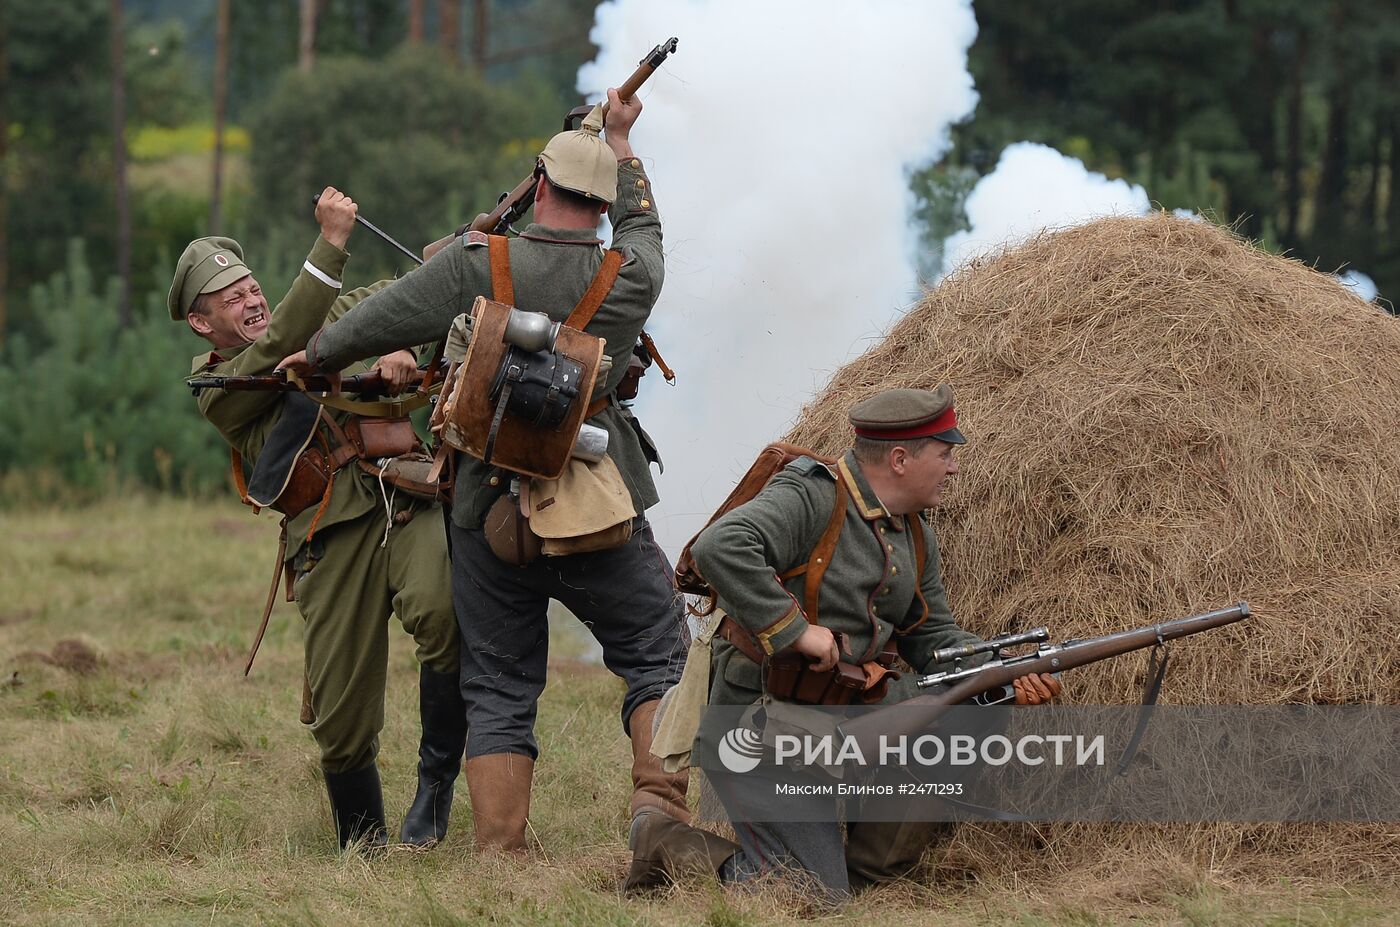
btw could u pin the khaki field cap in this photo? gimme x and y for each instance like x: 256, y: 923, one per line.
x: 906, y: 414
x: 581, y: 161
x: 208, y: 264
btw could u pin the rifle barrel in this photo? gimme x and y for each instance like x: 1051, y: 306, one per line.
x: 514, y: 203
x: 902, y: 720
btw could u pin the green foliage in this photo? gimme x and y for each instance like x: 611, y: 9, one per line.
x: 160, y: 77
x: 57, y: 104
x: 421, y: 146
x: 93, y: 408
x: 1276, y: 115
x: 940, y: 193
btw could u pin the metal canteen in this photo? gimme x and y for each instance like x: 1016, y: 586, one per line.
x: 591, y: 444
x: 531, y: 331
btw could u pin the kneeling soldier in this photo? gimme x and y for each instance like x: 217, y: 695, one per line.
x: 881, y: 589
x: 359, y: 550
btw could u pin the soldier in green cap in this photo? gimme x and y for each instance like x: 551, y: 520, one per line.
x: 623, y: 594
x: 881, y: 594
x: 359, y: 553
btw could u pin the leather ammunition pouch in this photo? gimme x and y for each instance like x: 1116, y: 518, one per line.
x: 790, y: 677
x: 374, y: 438
x: 311, y: 477
x: 307, y: 447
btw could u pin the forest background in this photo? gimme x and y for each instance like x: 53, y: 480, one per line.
x: 130, y: 127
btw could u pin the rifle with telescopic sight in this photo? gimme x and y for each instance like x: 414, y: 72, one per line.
x: 960, y: 685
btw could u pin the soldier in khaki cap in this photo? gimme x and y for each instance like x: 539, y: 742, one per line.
x: 352, y: 569
x: 624, y: 594
x: 875, y: 592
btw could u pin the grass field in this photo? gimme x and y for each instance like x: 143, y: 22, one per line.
x: 144, y: 781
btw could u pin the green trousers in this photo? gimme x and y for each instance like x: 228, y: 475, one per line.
x: 349, y: 583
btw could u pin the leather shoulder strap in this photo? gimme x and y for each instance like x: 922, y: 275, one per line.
x: 240, y: 482
x: 597, y: 291
x: 502, y: 289
x: 815, y: 570
x: 823, y: 552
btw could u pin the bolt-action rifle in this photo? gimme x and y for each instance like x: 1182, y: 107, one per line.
x: 960, y: 685
x: 517, y: 202
x: 514, y: 203
x: 368, y: 385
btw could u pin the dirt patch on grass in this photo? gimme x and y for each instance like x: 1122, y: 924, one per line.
x: 73, y: 655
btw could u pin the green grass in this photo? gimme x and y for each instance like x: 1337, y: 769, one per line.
x: 156, y: 785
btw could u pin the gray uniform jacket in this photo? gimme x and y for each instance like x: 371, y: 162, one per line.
x: 550, y: 269
x: 868, y: 592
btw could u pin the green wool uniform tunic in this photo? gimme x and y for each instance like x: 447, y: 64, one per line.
x: 868, y: 592
x: 349, y: 578
x: 551, y: 268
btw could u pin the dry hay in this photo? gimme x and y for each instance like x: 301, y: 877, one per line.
x: 1163, y: 419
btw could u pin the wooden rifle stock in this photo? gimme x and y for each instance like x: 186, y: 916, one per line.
x: 368, y: 385
x: 514, y: 204
x: 912, y: 716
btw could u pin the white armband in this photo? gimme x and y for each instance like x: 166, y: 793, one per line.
x: 320, y: 275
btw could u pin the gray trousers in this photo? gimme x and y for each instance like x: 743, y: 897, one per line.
x: 624, y: 596
x: 824, y: 859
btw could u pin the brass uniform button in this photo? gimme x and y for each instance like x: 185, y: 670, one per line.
x: 494, y: 481
x: 894, y: 570
x: 646, y: 204
x: 636, y: 163
x: 641, y: 183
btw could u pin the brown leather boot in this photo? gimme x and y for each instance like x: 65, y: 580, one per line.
x: 664, y: 850
x: 499, y: 785
x: 653, y: 787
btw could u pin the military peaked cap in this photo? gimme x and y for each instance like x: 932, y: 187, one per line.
x: 905, y: 414
x: 208, y: 264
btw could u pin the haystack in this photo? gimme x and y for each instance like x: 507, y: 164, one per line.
x: 1163, y: 419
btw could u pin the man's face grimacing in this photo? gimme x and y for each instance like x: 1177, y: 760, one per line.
x: 924, y: 472
x: 235, y: 315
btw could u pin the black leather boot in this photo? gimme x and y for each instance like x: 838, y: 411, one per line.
x: 439, y: 757
x: 357, y: 804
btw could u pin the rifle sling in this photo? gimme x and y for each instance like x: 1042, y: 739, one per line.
x: 384, y: 408
x: 1156, y: 672
x: 277, y: 572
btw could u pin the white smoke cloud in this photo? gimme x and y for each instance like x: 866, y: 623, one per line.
x: 779, y: 139
x: 1035, y: 187
x: 1360, y: 284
